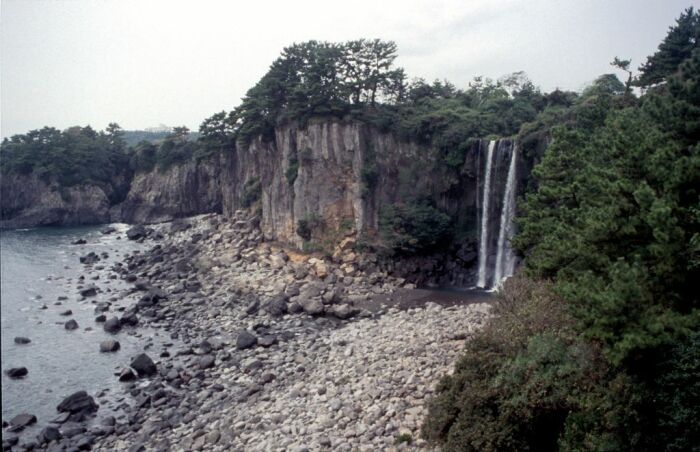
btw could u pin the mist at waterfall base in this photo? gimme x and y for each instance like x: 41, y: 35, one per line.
x: 496, y: 257
x: 37, y: 267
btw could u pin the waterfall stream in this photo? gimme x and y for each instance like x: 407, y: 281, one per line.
x: 484, y: 239
x: 505, y: 258
x: 496, y: 258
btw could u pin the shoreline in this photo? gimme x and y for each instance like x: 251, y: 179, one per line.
x: 261, y: 338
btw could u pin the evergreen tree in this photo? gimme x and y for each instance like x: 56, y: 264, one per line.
x: 677, y: 46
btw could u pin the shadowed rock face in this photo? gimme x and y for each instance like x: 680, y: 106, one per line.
x: 182, y: 190
x: 28, y: 201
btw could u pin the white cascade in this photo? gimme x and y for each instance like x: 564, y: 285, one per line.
x: 484, y: 240
x: 505, y: 258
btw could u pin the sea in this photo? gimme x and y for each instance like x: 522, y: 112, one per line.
x: 39, y: 279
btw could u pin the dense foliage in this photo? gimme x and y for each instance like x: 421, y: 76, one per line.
x: 78, y: 155
x: 614, y: 223
x: 414, y: 227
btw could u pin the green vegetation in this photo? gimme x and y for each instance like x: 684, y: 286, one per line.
x: 308, y: 225
x: 596, y: 346
x: 251, y: 192
x: 414, y: 227
x: 78, y: 155
x: 292, y: 170
x: 404, y: 438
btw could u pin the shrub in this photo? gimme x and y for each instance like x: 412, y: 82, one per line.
x: 251, y: 192
x: 308, y: 225
x: 293, y: 170
x: 413, y: 227
x: 519, y: 378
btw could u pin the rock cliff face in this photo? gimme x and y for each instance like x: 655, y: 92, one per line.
x: 181, y: 190
x: 339, y: 175
x: 28, y: 201
x: 313, y: 186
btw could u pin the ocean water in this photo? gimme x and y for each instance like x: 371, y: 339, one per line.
x: 37, y: 266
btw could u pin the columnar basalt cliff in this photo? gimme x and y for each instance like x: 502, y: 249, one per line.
x: 181, y: 190
x: 321, y: 171
x: 312, y: 186
x: 331, y: 178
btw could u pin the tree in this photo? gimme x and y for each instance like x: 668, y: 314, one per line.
x: 677, y: 46
x: 624, y: 65
x: 216, y: 132
x: 115, y: 137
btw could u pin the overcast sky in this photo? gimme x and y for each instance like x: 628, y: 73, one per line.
x: 146, y: 62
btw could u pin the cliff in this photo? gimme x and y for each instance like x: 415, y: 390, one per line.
x: 181, y: 190
x: 312, y: 186
x: 28, y: 201
x: 346, y: 172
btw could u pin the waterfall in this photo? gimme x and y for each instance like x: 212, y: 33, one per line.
x: 505, y: 258
x: 484, y: 240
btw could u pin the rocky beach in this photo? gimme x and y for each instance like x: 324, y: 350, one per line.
x: 258, y: 347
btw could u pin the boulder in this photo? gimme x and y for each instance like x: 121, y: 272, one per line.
x: 109, y: 345
x: 277, y: 306
x: 179, y: 226
x: 16, y: 372
x: 312, y: 306
x: 319, y: 267
x: 22, y: 420
x: 49, y: 434
x: 22, y: 340
x: 278, y: 260
x: 79, y: 402
x: 71, y: 325
x: 267, y: 340
x: 78, y: 242
x: 129, y: 318
x: 89, y: 291
x: 127, y: 374
x: 136, y: 232
x: 206, y: 361
x: 90, y: 258
x: 245, y: 340
x: 144, y: 365
x: 343, y: 311
x: 108, y: 230
x: 151, y: 297
x: 113, y: 325
x: 67, y: 312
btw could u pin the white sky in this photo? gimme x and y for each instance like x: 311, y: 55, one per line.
x: 146, y: 62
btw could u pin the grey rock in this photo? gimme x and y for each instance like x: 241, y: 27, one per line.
x: 22, y: 420
x: 22, y: 340
x: 144, y: 365
x: 136, y: 232
x: 89, y: 291
x: 312, y: 306
x: 127, y: 374
x: 109, y: 345
x: 71, y: 325
x: 16, y: 372
x: 78, y: 402
x: 245, y: 340
x: 113, y: 325
x: 206, y: 362
x: 49, y: 434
